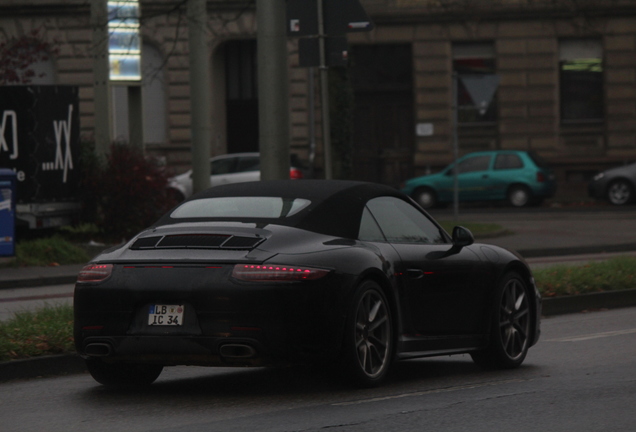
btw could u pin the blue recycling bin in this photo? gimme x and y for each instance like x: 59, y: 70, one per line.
x: 7, y: 212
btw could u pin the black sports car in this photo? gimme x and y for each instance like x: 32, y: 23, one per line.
x: 263, y: 273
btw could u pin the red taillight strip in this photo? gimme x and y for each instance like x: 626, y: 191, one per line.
x: 276, y: 273
x: 95, y: 272
x: 168, y: 267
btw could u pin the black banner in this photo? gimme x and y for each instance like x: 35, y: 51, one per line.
x: 39, y: 141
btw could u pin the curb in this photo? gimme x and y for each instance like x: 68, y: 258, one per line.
x: 40, y: 367
x: 69, y: 364
x: 38, y: 281
x: 552, y: 306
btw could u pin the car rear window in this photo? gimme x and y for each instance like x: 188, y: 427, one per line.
x: 508, y: 161
x: 240, y: 207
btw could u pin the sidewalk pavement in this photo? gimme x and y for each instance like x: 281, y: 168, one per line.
x: 539, y: 237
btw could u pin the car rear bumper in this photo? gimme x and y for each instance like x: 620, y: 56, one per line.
x: 223, y: 323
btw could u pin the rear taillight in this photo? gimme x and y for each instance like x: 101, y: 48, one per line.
x: 540, y: 177
x: 276, y: 273
x: 295, y: 174
x: 95, y: 272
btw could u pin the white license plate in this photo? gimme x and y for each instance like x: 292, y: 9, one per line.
x: 165, y: 315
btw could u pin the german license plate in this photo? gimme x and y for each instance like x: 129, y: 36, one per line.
x: 165, y: 315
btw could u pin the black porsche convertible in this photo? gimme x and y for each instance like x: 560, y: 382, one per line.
x: 349, y: 274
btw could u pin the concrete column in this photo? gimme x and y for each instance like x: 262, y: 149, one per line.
x: 273, y: 93
x: 199, y: 93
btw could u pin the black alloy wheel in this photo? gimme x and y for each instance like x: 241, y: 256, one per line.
x: 620, y: 192
x: 123, y: 374
x: 510, y: 326
x: 368, y: 349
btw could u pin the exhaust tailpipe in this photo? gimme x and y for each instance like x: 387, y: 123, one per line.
x: 237, y: 351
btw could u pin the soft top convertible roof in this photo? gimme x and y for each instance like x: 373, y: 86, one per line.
x: 336, y: 205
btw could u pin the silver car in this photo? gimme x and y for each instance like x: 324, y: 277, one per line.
x: 225, y: 169
x: 616, y: 185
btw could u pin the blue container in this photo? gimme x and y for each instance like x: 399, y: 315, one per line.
x: 7, y: 212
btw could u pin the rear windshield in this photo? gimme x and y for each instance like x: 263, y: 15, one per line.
x: 240, y: 207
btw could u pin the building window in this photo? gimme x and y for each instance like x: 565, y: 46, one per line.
x: 153, y: 100
x: 474, y: 59
x: 581, y: 80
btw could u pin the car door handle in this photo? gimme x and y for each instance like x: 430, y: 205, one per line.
x: 415, y: 273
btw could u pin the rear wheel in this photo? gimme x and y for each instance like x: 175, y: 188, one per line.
x: 123, y: 374
x: 425, y: 197
x: 368, y: 345
x: 519, y: 196
x: 510, y: 326
x: 620, y: 192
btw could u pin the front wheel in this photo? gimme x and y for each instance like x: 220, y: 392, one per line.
x: 368, y: 344
x: 123, y: 374
x: 510, y: 326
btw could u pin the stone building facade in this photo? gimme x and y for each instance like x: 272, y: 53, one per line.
x: 566, y: 89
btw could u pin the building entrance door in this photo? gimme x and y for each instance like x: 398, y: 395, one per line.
x: 383, y: 128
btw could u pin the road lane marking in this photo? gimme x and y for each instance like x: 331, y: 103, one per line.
x: 593, y: 336
x: 428, y: 392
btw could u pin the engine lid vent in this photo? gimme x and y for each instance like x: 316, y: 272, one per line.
x: 197, y: 241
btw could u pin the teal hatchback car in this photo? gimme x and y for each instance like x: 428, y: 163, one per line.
x: 519, y: 177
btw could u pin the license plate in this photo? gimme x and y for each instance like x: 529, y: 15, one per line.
x: 165, y: 315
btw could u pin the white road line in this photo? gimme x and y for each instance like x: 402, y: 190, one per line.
x: 427, y: 392
x: 593, y: 336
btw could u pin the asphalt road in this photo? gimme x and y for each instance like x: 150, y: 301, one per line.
x: 580, y: 377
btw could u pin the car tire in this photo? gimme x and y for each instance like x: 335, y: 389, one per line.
x: 509, y: 326
x: 519, y: 196
x: 123, y: 374
x: 620, y: 192
x: 369, y: 337
x: 425, y: 197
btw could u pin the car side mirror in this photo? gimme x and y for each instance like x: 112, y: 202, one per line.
x: 462, y: 237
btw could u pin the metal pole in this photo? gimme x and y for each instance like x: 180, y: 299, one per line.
x: 455, y: 148
x: 101, y: 77
x: 199, y: 94
x: 324, y: 93
x: 273, y: 92
x: 135, y: 116
x: 312, y: 123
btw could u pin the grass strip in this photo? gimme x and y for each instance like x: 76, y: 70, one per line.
x: 46, y: 331
x: 48, y: 251
x: 562, y: 280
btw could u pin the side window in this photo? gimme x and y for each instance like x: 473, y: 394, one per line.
x: 508, y: 161
x: 223, y: 166
x: 477, y: 163
x: 248, y: 164
x: 369, y: 229
x: 400, y: 222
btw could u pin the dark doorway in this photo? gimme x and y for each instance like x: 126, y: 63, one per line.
x: 383, y: 128
x: 242, y: 96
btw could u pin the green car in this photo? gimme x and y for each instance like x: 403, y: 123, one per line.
x: 519, y: 177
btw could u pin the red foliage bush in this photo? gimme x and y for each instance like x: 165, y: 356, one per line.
x: 130, y: 192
